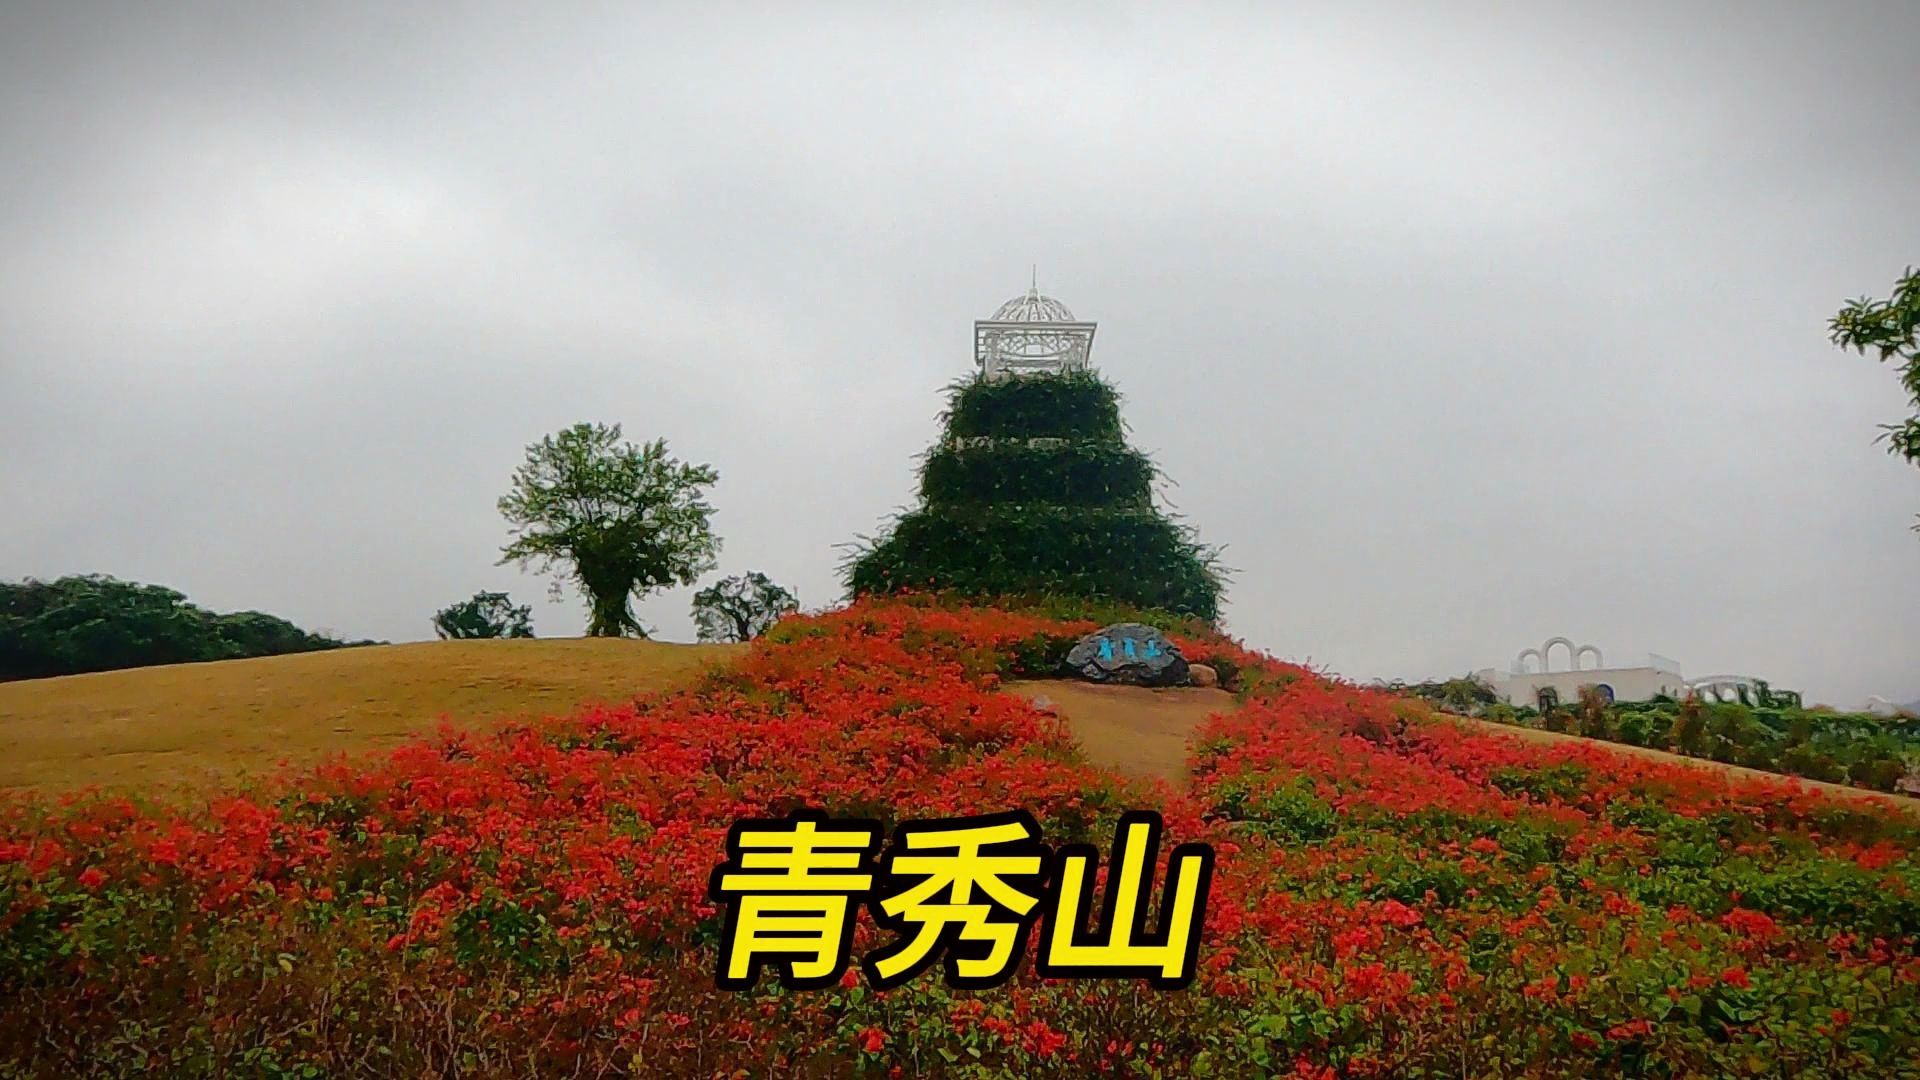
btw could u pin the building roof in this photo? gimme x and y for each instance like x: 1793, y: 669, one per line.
x: 1032, y: 307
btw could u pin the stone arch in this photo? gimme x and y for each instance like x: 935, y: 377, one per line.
x: 1546, y: 654
x: 1520, y: 662
x: 1598, y: 661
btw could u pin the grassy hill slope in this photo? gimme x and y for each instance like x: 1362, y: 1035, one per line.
x: 189, y: 723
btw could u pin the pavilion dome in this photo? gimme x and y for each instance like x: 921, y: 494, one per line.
x: 1033, y: 308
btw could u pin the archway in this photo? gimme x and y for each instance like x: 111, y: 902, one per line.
x: 1546, y: 654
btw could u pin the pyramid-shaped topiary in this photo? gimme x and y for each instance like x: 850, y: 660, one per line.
x: 1033, y: 491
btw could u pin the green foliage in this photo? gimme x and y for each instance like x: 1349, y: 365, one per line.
x: 1295, y: 812
x: 1690, y: 728
x: 1861, y: 749
x: 1465, y: 695
x: 1549, y: 782
x: 1073, y: 474
x: 1642, y: 729
x: 1137, y: 558
x: 741, y: 608
x: 1032, y: 493
x: 1891, y: 329
x: 618, y: 519
x: 1595, y: 722
x: 1074, y: 405
x: 485, y: 615
x: 98, y: 623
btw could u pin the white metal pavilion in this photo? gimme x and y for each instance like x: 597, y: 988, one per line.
x: 1032, y: 334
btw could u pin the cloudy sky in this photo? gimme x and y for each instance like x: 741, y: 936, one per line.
x: 1458, y: 330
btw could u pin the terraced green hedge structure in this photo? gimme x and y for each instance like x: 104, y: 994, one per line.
x: 1033, y: 491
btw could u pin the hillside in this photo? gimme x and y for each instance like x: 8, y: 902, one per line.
x: 1393, y: 893
x: 159, y: 726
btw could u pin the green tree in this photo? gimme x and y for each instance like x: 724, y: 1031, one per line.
x: 485, y: 615
x: 618, y: 519
x: 98, y: 623
x: 1890, y: 328
x: 741, y: 608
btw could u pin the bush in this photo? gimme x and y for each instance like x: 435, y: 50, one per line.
x: 1595, y: 722
x: 1074, y: 405
x: 1878, y: 773
x: 1076, y: 474
x: 1636, y: 728
x: 1133, y: 558
x: 1690, y: 728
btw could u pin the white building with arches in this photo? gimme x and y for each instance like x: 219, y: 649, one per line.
x: 1532, y: 680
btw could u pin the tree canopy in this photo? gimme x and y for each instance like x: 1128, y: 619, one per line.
x: 1890, y: 328
x: 484, y: 615
x: 98, y: 623
x: 618, y: 519
x: 741, y: 608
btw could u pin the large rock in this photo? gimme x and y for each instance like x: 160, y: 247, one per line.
x: 1128, y: 654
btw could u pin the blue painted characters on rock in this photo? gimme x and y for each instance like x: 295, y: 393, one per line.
x: 1128, y: 654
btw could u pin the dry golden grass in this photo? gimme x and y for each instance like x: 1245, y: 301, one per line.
x: 188, y: 724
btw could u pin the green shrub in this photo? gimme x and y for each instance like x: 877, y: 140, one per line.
x: 1549, y: 783
x: 1074, y: 474
x: 1878, y: 773
x: 1137, y: 558
x: 1070, y: 515
x: 1804, y: 760
x: 1690, y: 728
x: 1636, y: 728
x: 1295, y: 812
x: 1594, y: 720
x: 1076, y: 405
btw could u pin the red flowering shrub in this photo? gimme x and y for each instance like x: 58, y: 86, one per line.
x: 1394, y: 895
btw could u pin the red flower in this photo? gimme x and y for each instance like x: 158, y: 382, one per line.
x: 1385, y: 855
x: 1632, y: 1029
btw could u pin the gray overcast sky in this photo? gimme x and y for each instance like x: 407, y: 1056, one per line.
x: 1459, y: 325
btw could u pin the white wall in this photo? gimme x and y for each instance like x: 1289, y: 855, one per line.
x: 1629, y: 684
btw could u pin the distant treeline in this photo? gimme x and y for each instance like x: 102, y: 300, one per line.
x: 99, y: 623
